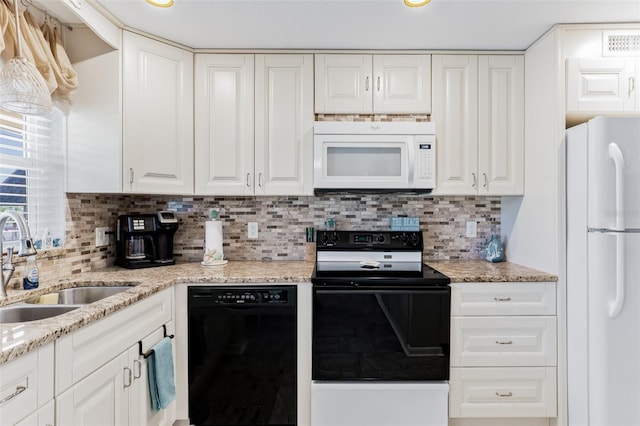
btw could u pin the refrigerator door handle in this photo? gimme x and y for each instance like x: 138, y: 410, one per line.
x: 616, y: 155
x: 615, y: 307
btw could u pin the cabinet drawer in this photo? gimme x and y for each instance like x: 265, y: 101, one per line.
x: 503, y: 392
x: 503, y: 341
x: 27, y: 384
x: 498, y: 299
x: 84, y: 351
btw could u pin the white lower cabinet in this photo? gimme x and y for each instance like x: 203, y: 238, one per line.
x: 503, y: 392
x: 101, y: 371
x: 101, y: 395
x: 503, y: 350
x: 45, y: 416
x: 26, y: 389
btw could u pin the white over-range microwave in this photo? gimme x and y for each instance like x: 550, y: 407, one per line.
x: 374, y: 156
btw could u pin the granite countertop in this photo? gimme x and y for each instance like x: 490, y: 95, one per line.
x: 465, y: 271
x: 21, y: 338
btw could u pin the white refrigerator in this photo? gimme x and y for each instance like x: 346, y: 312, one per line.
x: 603, y: 272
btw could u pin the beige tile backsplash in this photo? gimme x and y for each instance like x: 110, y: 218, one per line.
x: 281, y: 225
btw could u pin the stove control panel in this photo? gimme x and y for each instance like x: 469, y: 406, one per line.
x: 384, y: 240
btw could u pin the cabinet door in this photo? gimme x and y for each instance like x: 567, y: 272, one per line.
x: 284, y: 125
x: 100, y: 397
x: 402, y: 84
x: 455, y: 113
x: 600, y: 85
x: 501, y: 125
x: 158, y: 117
x: 45, y: 416
x: 140, y: 411
x: 224, y: 129
x: 343, y: 83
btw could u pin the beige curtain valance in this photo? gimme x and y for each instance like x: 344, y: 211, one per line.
x: 42, y: 46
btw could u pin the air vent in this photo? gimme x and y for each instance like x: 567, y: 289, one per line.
x: 621, y: 43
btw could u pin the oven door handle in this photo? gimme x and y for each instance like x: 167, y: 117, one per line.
x: 378, y: 290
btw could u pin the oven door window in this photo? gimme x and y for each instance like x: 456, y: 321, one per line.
x: 387, y: 335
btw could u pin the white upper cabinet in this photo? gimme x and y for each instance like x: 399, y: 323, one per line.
x: 224, y: 117
x: 367, y: 84
x: 501, y: 125
x: 157, y: 117
x: 284, y: 125
x: 254, y: 124
x: 602, y: 85
x: 455, y: 112
x: 478, y: 108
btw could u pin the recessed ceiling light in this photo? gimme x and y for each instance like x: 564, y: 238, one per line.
x: 412, y: 3
x: 165, y: 3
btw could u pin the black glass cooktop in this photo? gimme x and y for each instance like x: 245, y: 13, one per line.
x: 377, y: 274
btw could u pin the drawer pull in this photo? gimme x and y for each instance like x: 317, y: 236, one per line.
x: 506, y: 342
x: 19, y: 390
x: 504, y: 395
x: 502, y: 299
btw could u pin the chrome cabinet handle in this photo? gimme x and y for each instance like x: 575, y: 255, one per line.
x: 474, y: 180
x: 127, y: 375
x: 260, y: 180
x: 366, y: 84
x: 130, y: 174
x: 502, y: 299
x: 506, y: 342
x: 485, y: 180
x: 138, y: 364
x: 18, y: 391
x: 378, y: 83
x: 504, y: 395
x: 632, y: 85
x: 248, y: 176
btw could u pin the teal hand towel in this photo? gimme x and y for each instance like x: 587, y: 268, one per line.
x: 161, y: 381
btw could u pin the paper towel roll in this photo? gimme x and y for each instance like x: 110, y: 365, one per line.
x: 213, y: 240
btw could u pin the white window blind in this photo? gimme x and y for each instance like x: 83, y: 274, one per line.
x: 32, y: 175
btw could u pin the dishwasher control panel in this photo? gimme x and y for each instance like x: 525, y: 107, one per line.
x: 241, y: 296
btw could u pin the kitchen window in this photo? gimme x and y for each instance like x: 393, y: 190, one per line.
x: 32, y: 175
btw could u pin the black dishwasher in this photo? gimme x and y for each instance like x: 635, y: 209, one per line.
x: 242, y: 355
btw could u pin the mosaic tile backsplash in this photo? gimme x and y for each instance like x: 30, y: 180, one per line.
x: 281, y: 225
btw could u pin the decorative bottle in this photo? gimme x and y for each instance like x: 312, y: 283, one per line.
x: 495, y: 250
x: 31, y: 277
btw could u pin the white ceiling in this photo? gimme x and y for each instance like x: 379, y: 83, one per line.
x: 364, y: 24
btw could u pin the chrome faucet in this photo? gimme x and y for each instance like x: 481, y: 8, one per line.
x: 26, y: 247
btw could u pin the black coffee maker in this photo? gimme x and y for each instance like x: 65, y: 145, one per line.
x: 145, y: 240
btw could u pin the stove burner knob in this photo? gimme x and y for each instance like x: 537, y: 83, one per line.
x: 404, y: 238
x: 324, y: 238
x: 334, y: 238
x: 413, y: 239
x: 380, y: 238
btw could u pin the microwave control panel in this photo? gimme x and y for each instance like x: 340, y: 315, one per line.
x: 425, y: 161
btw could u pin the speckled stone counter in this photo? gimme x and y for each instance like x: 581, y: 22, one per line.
x: 482, y: 271
x: 21, y: 338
